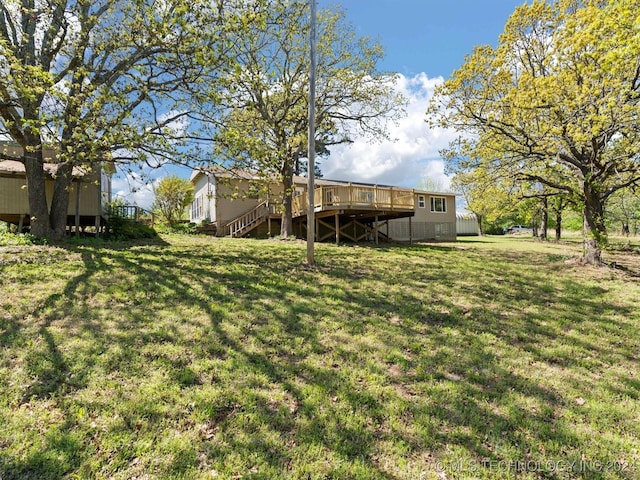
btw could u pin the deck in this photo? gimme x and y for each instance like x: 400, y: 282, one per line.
x: 332, y: 199
x: 356, y: 211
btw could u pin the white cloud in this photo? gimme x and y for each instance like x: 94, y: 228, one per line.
x: 134, y: 189
x: 137, y: 187
x: 412, y: 156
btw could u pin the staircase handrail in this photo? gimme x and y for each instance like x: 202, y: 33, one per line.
x: 247, y: 219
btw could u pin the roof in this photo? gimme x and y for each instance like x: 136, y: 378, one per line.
x: 15, y: 168
x: 221, y: 172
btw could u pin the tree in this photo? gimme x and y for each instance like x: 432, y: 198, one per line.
x: 173, y: 196
x: 623, y: 211
x: 100, y: 81
x: 490, y: 198
x: 265, y: 127
x: 556, y: 103
x: 429, y: 184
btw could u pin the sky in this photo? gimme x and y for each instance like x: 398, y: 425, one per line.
x: 424, y: 42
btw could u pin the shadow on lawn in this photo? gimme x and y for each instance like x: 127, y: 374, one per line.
x: 272, y: 369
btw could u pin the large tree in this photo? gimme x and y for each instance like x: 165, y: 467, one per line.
x: 556, y: 102
x: 100, y: 80
x: 265, y: 128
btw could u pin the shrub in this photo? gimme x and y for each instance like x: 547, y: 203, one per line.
x: 8, y: 238
x: 120, y: 228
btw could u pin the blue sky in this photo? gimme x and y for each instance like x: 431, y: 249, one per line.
x: 430, y: 36
x: 424, y: 41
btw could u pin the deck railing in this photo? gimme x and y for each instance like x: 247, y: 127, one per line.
x: 330, y: 197
x: 132, y: 212
x: 249, y: 220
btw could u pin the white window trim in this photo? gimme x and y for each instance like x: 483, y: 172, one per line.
x: 444, y: 205
x: 422, y: 201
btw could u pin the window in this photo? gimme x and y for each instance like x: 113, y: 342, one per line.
x: 438, y: 204
x: 196, y: 207
x: 421, y: 201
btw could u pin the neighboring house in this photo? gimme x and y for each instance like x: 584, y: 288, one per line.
x: 343, y: 210
x: 90, y: 192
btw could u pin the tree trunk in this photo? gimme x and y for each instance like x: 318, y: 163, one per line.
x: 625, y: 229
x: 36, y: 192
x: 286, y: 228
x: 544, y: 219
x: 594, y: 229
x: 60, y: 200
x: 46, y: 221
x: 558, y: 224
x: 479, y: 219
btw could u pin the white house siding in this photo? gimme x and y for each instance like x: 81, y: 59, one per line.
x: 203, y: 207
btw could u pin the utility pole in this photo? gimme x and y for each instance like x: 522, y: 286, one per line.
x: 311, y: 143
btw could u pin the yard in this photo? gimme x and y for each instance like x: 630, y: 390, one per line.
x: 205, y: 358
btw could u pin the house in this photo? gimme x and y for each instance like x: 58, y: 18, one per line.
x: 91, y: 191
x: 344, y: 211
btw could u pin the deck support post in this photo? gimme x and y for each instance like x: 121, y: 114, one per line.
x: 97, y: 225
x: 21, y: 222
x: 337, y: 219
x: 375, y: 229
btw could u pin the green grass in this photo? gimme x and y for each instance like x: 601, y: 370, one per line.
x: 193, y: 357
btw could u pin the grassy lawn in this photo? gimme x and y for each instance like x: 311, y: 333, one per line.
x: 206, y: 358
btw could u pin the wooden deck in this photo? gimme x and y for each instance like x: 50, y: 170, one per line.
x: 356, y: 211
x: 342, y: 211
x: 357, y: 198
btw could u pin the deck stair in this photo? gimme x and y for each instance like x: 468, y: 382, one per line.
x: 248, y: 221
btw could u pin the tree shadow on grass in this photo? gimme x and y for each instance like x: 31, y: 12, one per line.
x: 263, y: 368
